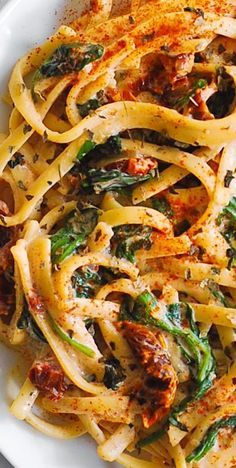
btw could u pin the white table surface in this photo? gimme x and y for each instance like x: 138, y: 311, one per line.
x: 3, y: 462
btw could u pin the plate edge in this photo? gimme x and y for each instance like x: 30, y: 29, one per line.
x: 7, y: 9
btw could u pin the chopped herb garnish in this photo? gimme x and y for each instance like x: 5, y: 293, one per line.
x: 27, y: 128
x: 35, y: 158
x: 17, y: 159
x: 198, y: 11
x: 187, y: 274
x: 215, y: 270
x: 2, y: 219
x: 165, y: 48
x: 21, y: 185
x: 231, y: 254
x: 10, y: 149
x: 45, y: 137
x: 221, y: 49
x: 228, y: 178
x: 29, y: 197
x: 59, y: 171
x: 148, y: 37
x: 229, y: 211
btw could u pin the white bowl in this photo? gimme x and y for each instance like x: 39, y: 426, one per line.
x: 23, y: 24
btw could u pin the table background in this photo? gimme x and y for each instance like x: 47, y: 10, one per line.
x: 3, y: 462
x: 3, y: 2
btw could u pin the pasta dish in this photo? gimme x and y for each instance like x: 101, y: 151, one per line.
x: 118, y: 232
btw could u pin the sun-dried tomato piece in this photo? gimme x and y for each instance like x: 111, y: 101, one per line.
x: 140, y: 166
x: 134, y: 166
x: 49, y: 378
x: 158, y: 388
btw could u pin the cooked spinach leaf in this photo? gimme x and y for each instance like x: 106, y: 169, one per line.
x: 198, y: 11
x: 181, y: 227
x: 27, y: 322
x: 71, y: 341
x: 114, y: 374
x: 151, y: 438
x: 68, y: 58
x: 179, y: 322
x: 217, y: 293
x: 162, y: 205
x: 174, y: 322
x: 73, y: 234
x: 229, y: 212
x: 92, y: 104
x: 111, y: 147
x: 183, y: 101
x: 220, y: 102
x: 162, y: 139
x: 129, y: 238
x: 209, y: 439
x: 86, y: 281
x: 88, y: 146
x: 88, y: 106
x: 198, y: 346
x: 227, y: 221
x: 101, y: 180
